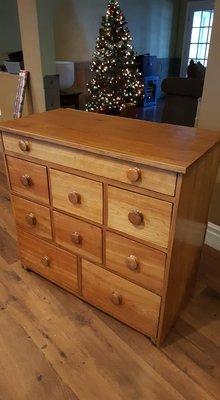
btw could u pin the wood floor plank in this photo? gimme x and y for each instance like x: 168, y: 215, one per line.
x: 201, y: 341
x: 204, y: 315
x: 89, y: 357
x: 175, y: 376
x: 197, y: 365
x: 8, y: 247
x: 25, y: 373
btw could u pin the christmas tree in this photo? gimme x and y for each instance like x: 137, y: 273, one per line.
x: 116, y: 79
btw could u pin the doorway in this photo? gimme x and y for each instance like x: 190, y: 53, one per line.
x: 197, y: 36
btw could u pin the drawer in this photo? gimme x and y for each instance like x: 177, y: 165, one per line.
x: 32, y: 217
x: 136, y: 262
x: 28, y: 179
x: 78, y: 236
x: 124, y: 300
x: 79, y: 196
x: 46, y: 259
x: 150, y: 178
x: 140, y: 216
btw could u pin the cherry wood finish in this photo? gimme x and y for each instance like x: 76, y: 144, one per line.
x: 188, y: 238
x: 136, y: 262
x: 20, y: 172
x: 124, y: 200
x: 26, y: 180
x: 140, y: 216
x: 32, y: 217
x: 164, y: 146
x: 154, y: 179
x: 77, y: 195
x: 78, y: 236
x: 47, y: 260
x: 24, y: 145
x: 131, y: 304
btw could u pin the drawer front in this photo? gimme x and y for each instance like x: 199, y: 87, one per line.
x: 78, y: 236
x: 32, y: 217
x: 154, y: 179
x: 124, y: 300
x: 46, y: 259
x: 28, y: 179
x: 79, y: 196
x: 140, y: 216
x: 136, y: 262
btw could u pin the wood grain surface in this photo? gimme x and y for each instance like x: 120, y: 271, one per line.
x: 90, y: 194
x: 155, y: 226
x: 90, y: 243
x: 188, y: 238
x: 153, y: 179
x: 150, y: 263
x: 38, y: 190
x: 164, y: 146
x: 137, y: 307
x: 79, y: 353
x: 62, y: 267
x: 23, y: 208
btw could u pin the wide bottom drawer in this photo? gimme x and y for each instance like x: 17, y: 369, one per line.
x: 54, y: 264
x: 124, y: 300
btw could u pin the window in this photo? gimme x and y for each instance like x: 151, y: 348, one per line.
x: 201, y: 36
x: 198, y: 30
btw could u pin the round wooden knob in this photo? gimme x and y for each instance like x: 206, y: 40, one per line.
x: 74, y: 197
x: 135, y: 217
x: 132, y: 263
x: 46, y: 261
x: 26, y: 180
x: 31, y: 219
x: 116, y: 298
x: 24, y: 145
x: 134, y: 174
x: 76, y: 238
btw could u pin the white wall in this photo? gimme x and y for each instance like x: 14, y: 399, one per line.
x: 77, y: 25
x: 9, y: 27
x: 210, y: 107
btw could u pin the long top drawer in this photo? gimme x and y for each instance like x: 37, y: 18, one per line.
x: 150, y: 178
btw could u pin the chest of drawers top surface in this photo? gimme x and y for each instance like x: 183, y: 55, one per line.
x: 174, y: 148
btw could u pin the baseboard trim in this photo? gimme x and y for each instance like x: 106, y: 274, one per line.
x: 213, y: 236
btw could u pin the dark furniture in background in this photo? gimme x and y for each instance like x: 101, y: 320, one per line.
x: 70, y: 98
x: 151, y: 84
x: 181, y: 100
x: 148, y: 67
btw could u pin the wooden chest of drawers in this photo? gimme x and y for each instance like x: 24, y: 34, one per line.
x: 113, y: 210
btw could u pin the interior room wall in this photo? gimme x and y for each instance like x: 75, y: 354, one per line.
x: 209, y: 113
x: 77, y: 25
x: 181, y: 26
x: 10, y: 39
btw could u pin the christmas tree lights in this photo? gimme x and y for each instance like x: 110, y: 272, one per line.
x: 116, y: 79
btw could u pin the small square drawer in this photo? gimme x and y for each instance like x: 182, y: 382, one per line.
x: 28, y: 179
x: 76, y: 195
x: 78, y: 236
x: 124, y: 300
x: 49, y: 261
x: 32, y: 217
x: 136, y: 262
x: 143, y: 217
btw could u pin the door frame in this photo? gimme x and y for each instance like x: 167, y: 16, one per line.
x: 191, y: 7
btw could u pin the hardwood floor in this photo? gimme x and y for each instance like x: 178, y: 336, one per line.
x: 54, y: 346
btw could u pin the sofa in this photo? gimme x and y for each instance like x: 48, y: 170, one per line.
x: 181, y: 100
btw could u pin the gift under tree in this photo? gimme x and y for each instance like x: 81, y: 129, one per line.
x: 116, y: 79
